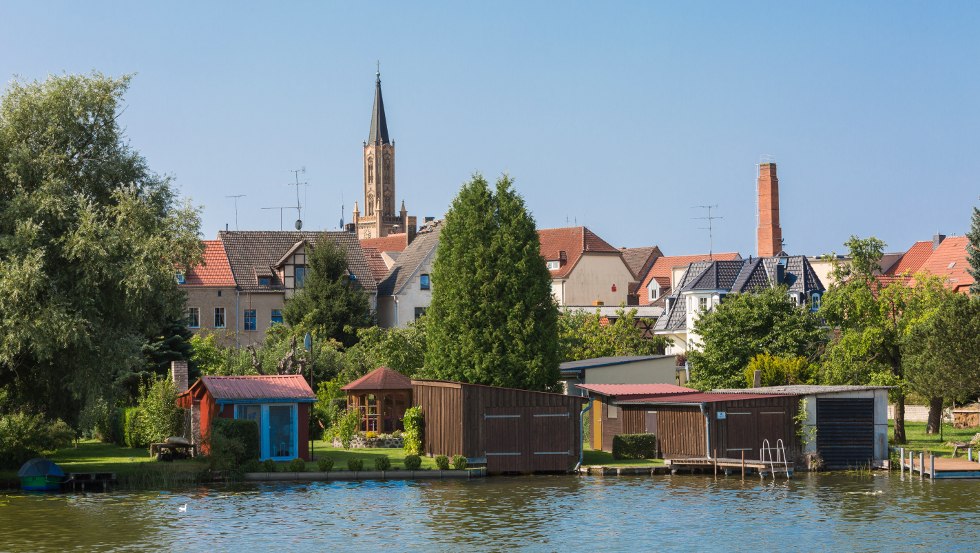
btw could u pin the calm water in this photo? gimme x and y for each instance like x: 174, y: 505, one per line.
x: 879, y: 512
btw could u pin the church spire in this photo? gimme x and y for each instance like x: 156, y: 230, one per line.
x: 379, y: 127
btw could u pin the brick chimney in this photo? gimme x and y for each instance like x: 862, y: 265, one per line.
x: 770, y: 236
x: 178, y: 372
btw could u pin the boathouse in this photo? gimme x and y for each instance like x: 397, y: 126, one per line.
x: 850, y: 423
x: 280, y: 405
x: 511, y: 430
x: 688, y: 423
x: 381, y: 397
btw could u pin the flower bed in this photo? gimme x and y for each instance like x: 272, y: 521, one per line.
x: 366, y: 440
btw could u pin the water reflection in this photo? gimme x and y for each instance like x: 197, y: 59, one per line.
x: 852, y: 512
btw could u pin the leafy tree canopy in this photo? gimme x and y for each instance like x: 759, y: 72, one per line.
x: 331, y: 304
x: 745, y: 325
x: 584, y: 335
x: 493, y: 319
x: 89, y: 242
x: 943, y: 350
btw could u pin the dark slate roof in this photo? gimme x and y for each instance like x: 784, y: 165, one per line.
x: 754, y: 275
x: 410, y: 261
x: 379, y: 126
x: 719, y: 275
x: 577, y: 366
x: 677, y: 316
x: 251, y: 249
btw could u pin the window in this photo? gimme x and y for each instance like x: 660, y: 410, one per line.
x: 419, y: 311
x: 265, y: 281
x: 180, y: 278
x: 653, y: 290
x: 423, y: 282
x: 703, y: 304
x: 194, y: 317
x: 300, y: 277
x: 277, y: 316
x: 249, y: 319
x: 815, y: 302
x: 554, y: 265
x: 219, y: 317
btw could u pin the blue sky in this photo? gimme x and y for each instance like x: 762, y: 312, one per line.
x: 619, y: 116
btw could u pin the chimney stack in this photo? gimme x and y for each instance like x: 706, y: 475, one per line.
x: 937, y: 239
x: 770, y: 236
x: 178, y: 372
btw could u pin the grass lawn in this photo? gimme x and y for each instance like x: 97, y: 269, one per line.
x: 918, y: 440
x: 604, y: 458
x: 340, y: 456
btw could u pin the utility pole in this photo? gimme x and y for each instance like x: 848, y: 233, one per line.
x: 710, y: 228
x: 236, y: 207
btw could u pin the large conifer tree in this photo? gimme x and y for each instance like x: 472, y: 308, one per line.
x: 973, y: 251
x: 493, y: 319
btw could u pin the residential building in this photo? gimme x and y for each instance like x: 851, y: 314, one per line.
x: 657, y: 283
x: 706, y: 283
x: 379, y: 218
x: 950, y: 261
x: 585, y: 269
x: 406, y: 291
x: 210, y: 291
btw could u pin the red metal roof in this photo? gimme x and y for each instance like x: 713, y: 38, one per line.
x: 278, y: 387
x: 214, y: 269
x: 696, y: 397
x: 381, y: 378
x: 620, y: 390
x: 574, y: 241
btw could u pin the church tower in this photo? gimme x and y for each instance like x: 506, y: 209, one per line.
x: 379, y: 218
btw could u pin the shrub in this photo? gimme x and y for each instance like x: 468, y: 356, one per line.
x: 160, y: 417
x: 355, y: 464
x: 253, y: 465
x: 413, y: 462
x: 133, y: 428
x: 296, y: 465
x: 346, y: 427
x: 459, y: 462
x: 325, y: 464
x: 269, y: 465
x: 244, y: 431
x: 382, y: 463
x: 225, y: 453
x: 414, y: 428
x: 634, y: 446
x: 442, y: 462
x: 96, y: 420
x: 23, y: 436
x: 370, y: 435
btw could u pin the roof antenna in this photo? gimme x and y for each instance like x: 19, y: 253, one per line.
x: 342, y: 208
x: 299, y: 206
x: 710, y: 227
x: 280, y: 208
x: 236, y: 207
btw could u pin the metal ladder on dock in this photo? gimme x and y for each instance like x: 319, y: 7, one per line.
x: 780, y: 458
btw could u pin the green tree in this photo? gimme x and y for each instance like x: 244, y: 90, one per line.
x: 872, y: 318
x: 402, y: 349
x: 776, y: 370
x: 973, y: 251
x: 943, y: 354
x: 493, y: 319
x: 89, y: 242
x: 331, y: 303
x: 584, y: 335
x: 745, y: 325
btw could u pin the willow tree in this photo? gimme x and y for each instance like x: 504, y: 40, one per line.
x: 90, y: 239
x: 492, y: 319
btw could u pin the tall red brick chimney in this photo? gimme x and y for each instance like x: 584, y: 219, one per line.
x: 770, y: 237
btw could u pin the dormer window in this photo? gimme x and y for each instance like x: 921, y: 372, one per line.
x: 180, y: 277
x: 653, y: 290
x: 554, y: 265
x: 815, y: 302
x: 265, y: 281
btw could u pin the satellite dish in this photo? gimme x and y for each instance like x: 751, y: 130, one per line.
x: 299, y: 224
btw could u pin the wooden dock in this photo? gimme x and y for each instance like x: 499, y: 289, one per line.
x: 728, y: 466
x: 937, y: 467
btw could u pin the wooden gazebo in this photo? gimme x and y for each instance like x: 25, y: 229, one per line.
x: 381, y: 396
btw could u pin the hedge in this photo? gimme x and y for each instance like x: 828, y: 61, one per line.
x: 244, y: 431
x: 634, y: 446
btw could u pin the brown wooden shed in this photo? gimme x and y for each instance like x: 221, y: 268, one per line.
x: 696, y: 424
x: 513, y: 431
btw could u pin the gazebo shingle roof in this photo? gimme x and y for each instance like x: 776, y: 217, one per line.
x: 381, y: 378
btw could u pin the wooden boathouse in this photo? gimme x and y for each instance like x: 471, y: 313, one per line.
x: 513, y: 431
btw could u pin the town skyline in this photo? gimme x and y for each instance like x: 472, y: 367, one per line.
x: 627, y: 127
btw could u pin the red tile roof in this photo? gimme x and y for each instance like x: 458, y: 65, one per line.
x: 630, y: 390
x: 391, y: 243
x: 950, y: 261
x: 574, y: 241
x: 379, y: 269
x: 214, y: 269
x: 381, y: 378
x: 663, y: 266
x: 912, y: 260
x: 278, y: 387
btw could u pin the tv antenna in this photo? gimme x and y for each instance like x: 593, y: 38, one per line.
x: 236, y: 196
x: 297, y: 184
x: 710, y: 228
x: 280, y: 208
x: 342, y: 208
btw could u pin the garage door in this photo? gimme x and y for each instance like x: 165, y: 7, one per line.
x: 530, y: 439
x: 845, y: 432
